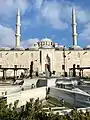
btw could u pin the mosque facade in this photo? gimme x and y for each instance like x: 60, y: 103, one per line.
x: 46, y: 54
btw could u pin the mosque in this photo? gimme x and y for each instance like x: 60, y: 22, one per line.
x: 46, y: 54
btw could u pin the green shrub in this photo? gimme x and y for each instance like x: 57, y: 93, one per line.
x: 33, y: 111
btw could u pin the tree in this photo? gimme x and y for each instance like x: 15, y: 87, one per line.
x: 33, y: 111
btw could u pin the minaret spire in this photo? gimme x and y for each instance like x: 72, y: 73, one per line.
x: 74, y: 34
x: 18, y: 29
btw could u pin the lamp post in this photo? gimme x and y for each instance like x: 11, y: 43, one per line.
x: 64, y: 56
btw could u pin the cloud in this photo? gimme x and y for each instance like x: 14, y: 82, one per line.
x: 55, y: 13
x: 83, y: 16
x: 59, y: 14
x: 38, y: 3
x: 7, y: 36
x: 26, y: 23
x: 28, y: 43
x: 9, y: 7
x: 51, y: 13
x: 85, y: 34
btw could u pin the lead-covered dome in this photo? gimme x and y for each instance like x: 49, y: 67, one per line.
x: 45, y: 43
x: 75, y: 47
x: 87, y: 47
x: 46, y: 40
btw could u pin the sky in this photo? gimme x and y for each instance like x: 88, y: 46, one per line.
x: 44, y: 19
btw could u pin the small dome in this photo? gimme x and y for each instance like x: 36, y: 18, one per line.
x: 7, y: 48
x: 21, y: 48
x: 46, y: 40
x: 56, y: 45
x: 75, y: 47
x: 18, y: 48
x: 34, y: 46
x: 2, y: 48
x: 31, y: 48
x: 61, y: 46
x: 87, y: 47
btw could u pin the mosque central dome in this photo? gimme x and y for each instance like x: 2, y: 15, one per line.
x: 46, y: 43
x: 46, y: 40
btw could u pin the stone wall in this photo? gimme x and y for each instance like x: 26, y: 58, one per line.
x: 10, y: 58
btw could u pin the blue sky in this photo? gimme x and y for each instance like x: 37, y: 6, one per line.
x: 44, y: 18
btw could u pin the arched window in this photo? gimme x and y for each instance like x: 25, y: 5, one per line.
x: 16, y: 55
x: 43, y: 43
x: 31, y: 55
x: 15, y: 66
x: 0, y: 55
x: 46, y: 43
x: 78, y: 55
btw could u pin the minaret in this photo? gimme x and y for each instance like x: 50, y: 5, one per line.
x: 18, y: 29
x: 74, y: 34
